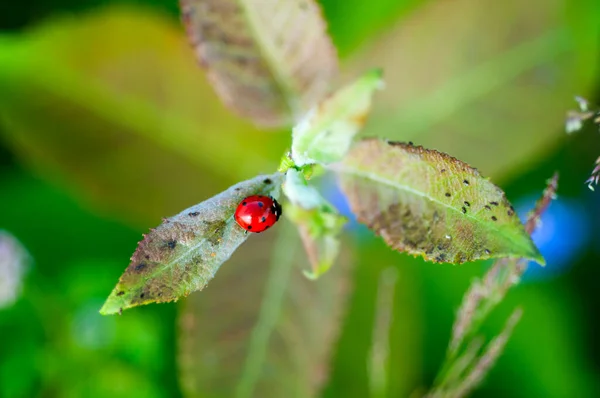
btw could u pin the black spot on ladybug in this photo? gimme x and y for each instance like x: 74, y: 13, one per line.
x: 263, y: 219
x: 466, y: 182
x: 464, y: 210
x: 488, y: 207
x: 267, y: 227
x: 448, y: 194
x: 249, y: 227
x: 494, y: 218
x: 487, y: 252
x: 467, y: 204
x: 140, y: 266
x: 260, y: 204
x: 171, y: 244
x: 193, y: 213
x: 243, y: 203
x: 267, y: 181
x: 120, y: 293
x: 494, y: 203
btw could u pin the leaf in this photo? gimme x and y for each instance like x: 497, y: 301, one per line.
x: 124, y: 120
x: 457, y: 81
x: 183, y: 253
x: 319, y: 229
x: 427, y: 203
x: 262, y: 329
x: 325, y: 134
x: 268, y: 61
x: 318, y: 222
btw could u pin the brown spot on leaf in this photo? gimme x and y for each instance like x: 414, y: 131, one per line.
x: 193, y: 213
x: 171, y: 244
x: 494, y: 218
x: 120, y: 293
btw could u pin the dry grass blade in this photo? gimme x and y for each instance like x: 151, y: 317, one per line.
x: 487, y: 360
x: 268, y: 60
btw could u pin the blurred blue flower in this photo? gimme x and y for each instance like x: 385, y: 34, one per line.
x: 564, y: 232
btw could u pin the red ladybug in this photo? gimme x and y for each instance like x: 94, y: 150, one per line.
x: 257, y: 213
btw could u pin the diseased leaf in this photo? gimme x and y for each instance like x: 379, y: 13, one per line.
x: 261, y: 329
x: 428, y: 203
x: 183, y: 253
x: 268, y: 60
x: 324, y: 135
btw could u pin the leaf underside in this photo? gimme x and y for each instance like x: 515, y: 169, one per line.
x: 428, y: 203
x: 183, y: 253
x: 268, y: 60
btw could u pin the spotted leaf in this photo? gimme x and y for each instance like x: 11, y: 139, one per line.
x: 183, y: 253
x: 428, y: 203
x: 268, y: 60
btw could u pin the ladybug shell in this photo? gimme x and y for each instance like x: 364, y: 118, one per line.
x: 257, y: 213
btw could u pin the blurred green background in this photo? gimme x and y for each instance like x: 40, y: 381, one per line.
x: 107, y: 125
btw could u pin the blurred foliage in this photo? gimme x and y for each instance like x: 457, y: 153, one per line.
x: 111, y: 108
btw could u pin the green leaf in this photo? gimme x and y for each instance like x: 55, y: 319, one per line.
x: 325, y: 134
x: 318, y: 222
x: 427, y: 203
x: 183, y: 254
x: 261, y: 329
x: 268, y: 62
x: 126, y: 121
x: 456, y: 83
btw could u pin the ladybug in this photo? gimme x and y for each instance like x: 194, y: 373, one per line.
x: 257, y: 213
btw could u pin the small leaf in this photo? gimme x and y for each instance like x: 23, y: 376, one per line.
x: 269, y: 62
x: 261, y: 329
x: 318, y: 222
x: 428, y: 203
x: 326, y: 132
x: 183, y: 253
x: 319, y: 229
